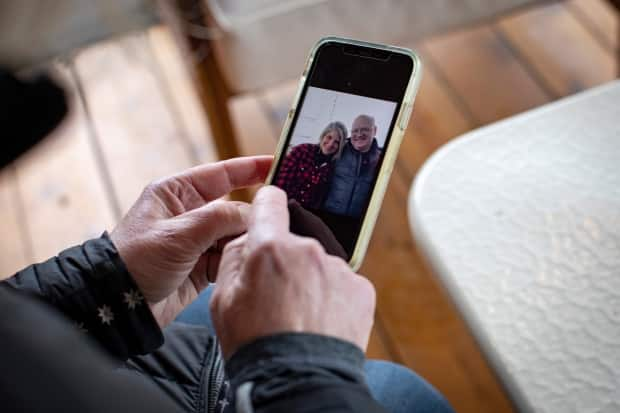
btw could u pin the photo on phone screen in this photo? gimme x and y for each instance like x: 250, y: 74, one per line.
x: 337, y: 141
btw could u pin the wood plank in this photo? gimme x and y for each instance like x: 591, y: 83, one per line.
x: 13, y: 243
x: 64, y: 199
x: 484, y: 72
x: 377, y: 348
x: 278, y: 100
x: 601, y: 18
x: 180, y: 91
x: 560, y: 48
x: 435, y: 120
x: 138, y: 136
x: 255, y: 133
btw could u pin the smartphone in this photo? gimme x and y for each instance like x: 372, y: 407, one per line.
x: 340, y: 140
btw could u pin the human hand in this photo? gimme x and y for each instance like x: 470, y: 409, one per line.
x: 305, y: 223
x: 171, y: 238
x: 271, y: 281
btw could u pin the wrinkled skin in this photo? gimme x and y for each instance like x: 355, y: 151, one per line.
x: 171, y: 238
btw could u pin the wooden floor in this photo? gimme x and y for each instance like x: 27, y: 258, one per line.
x: 135, y: 118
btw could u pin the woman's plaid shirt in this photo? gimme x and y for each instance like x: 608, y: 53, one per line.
x: 304, y: 175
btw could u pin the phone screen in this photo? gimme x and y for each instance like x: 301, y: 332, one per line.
x: 338, y: 138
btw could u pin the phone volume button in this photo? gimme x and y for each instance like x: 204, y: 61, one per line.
x: 404, y: 120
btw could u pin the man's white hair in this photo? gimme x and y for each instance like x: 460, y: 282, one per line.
x: 367, y: 118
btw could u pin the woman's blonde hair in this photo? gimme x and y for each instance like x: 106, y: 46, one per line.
x: 340, y: 130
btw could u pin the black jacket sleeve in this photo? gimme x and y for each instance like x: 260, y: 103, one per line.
x: 47, y: 366
x: 90, y: 284
x: 298, y: 372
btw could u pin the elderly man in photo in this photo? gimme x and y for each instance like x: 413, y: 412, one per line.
x: 355, y: 170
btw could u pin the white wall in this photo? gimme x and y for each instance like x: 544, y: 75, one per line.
x: 323, y: 106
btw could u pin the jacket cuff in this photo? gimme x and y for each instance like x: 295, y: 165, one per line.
x: 116, y: 311
x: 301, y: 347
x: 283, y: 365
x: 90, y: 284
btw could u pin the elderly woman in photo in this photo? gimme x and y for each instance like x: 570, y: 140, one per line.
x: 306, y: 170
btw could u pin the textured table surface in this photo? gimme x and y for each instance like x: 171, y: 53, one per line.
x: 521, y: 221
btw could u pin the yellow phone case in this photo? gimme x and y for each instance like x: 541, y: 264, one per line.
x: 376, y: 198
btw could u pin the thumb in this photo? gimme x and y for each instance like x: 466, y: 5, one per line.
x: 218, y: 219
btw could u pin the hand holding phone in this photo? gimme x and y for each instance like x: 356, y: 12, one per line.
x: 272, y: 281
x: 341, y: 138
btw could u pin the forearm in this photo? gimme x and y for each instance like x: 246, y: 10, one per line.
x: 301, y: 373
x: 90, y: 285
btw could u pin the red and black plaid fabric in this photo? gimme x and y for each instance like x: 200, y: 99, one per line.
x: 304, y: 175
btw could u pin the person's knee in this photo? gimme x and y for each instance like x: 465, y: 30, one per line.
x: 401, y: 390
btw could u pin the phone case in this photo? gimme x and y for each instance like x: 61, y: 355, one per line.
x: 391, y: 153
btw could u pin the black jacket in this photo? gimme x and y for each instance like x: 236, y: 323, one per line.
x: 54, y: 315
x: 352, y: 180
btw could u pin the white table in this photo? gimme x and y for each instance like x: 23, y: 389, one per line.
x: 521, y: 221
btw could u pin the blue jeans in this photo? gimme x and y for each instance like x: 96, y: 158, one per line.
x: 396, y: 388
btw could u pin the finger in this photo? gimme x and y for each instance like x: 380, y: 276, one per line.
x: 305, y: 223
x: 217, y: 179
x: 199, y: 274
x: 269, y: 218
x: 230, y: 261
x: 213, y: 264
x: 218, y: 219
x: 220, y: 244
x: 205, y: 270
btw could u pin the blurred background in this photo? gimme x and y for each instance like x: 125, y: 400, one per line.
x: 197, y: 83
